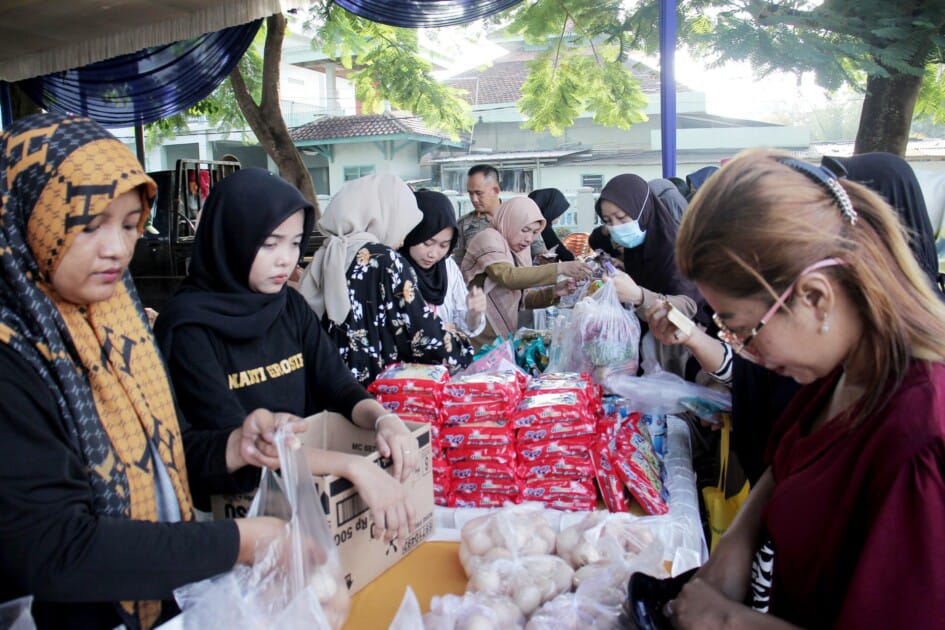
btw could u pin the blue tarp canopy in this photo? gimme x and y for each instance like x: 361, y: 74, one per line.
x: 148, y: 85
x: 424, y: 13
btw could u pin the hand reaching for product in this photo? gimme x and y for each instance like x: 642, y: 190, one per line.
x: 576, y: 269
x: 565, y: 287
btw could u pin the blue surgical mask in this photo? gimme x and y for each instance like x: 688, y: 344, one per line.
x: 629, y: 234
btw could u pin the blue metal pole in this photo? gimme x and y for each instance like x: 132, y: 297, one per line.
x: 668, y: 86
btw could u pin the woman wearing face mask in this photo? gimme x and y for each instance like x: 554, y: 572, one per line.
x: 96, y: 520
x: 236, y: 338
x: 365, y: 293
x: 499, y: 260
x: 427, y: 248
x: 641, y: 224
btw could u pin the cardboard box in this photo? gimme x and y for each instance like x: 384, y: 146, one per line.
x: 364, y: 556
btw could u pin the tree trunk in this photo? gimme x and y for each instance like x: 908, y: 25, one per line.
x: 266, y: 119
x: 886, y: 116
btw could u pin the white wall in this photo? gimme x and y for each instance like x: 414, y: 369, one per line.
x: 405, y: 163
x: 735, y: 138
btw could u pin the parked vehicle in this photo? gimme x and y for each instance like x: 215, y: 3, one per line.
x: 163, y: 251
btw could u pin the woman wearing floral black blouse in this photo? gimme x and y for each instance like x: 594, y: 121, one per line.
x: 365, y: 293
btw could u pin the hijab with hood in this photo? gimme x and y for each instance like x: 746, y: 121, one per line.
x: 239, y: 215
x: 98, y: 359
x: 492, y: 246
x: 552, y: 204
x: 438, y: 214
x: 371, y: 209
x: 653, y: 263
x: 894, y: 179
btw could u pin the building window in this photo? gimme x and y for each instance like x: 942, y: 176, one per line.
x: 354, y: 172
x: 593, y: 181
x: 511, y: 179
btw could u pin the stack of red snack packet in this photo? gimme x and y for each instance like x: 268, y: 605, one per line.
x: 478, y: 440
x: 555, y: 424
x: 412, y: 391
x: 625, y: 461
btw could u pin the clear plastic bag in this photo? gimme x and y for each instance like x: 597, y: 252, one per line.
x: 473, y: 611
x: 296, y: 581
x: 660, y: 391
x: 601, y: 333
x: 602, y: 536
x: 514, y: 530
x: 408, y: 616
x: 529, y: 581
x: 499, y: 359
x: 15, y: 614
x: 596, y: 603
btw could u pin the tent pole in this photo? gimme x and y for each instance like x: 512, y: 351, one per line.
x: 668, y: 86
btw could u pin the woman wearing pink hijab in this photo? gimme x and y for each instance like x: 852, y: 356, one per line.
x: 499, y: 260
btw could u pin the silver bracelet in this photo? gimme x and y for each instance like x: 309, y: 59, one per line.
x: 377, y: 420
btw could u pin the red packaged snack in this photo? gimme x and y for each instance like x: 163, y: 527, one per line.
x: 565, y: 504
x: 441, y: 489
x: 641, y: 487
x: 417, y: 406
x: 633, y: 437
x: 474, y: 436
x: 569, y: 467
x: 570, y: 447
x: 493, y: 411
x: 476, y: 499
x: 556, y: 431
x: 504, y: 487
x: 549, y: 408
x: 564, y: 382
x: 488, y: 386
x: 482, y: 470
x: 441, y: 467
x: 543, y: 489
x: 498, y: 454
x: 612, y: 488
x: 410, y: 379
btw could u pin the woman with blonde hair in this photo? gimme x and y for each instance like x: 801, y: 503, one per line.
x: 365, y: 293
x: 812, y: 278
x: 499, y: 260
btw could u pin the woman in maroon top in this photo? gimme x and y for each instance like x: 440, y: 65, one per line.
x: 812, y: 278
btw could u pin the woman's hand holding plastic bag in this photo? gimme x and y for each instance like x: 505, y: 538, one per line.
x: 296, y: 581
x: 253, y: 444
x: 601, y: 333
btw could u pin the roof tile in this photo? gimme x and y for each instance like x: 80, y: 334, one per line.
x: 363, y: 125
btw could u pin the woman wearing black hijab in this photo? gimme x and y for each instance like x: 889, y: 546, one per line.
x: 639, y: 222
x: 427, y: 248
x: 894, y: 179
x: 237, y: 339
x: 552, y: 204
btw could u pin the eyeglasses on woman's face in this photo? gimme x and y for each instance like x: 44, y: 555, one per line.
x: 741, y: 346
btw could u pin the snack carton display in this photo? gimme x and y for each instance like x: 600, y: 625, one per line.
x: 364, y: 555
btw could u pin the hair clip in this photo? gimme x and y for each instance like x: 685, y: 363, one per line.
x: 828, y: 180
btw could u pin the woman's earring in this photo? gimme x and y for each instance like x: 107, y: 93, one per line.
x: 825, y: 327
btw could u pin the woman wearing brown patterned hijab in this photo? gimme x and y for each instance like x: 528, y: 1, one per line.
x: 95, y: 510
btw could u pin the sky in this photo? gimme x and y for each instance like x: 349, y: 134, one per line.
x: 734, y: 90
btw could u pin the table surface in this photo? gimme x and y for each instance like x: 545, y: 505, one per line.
x: 432, y: 569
